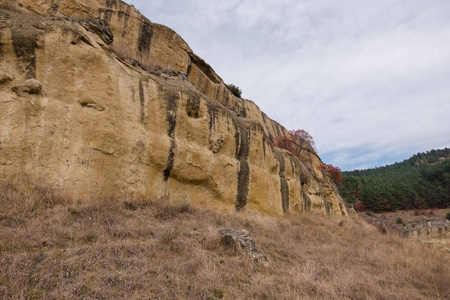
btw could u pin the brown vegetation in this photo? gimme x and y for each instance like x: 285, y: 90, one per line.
x: 136, y: 58
x: 52, y: 247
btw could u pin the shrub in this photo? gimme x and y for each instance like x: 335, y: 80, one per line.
x: 448, y: 216
x: 235, y: 90
x: 368, y: 212
x: 360, y: 206
x: 399, y: 221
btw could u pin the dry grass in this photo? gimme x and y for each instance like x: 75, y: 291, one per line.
x: 55, y: 248
x: 136, y: 58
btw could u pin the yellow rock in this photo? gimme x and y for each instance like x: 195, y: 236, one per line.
x: 79, y: 117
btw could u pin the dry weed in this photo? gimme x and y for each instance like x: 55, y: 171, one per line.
x: 56, y: 248
x: 136, y: 58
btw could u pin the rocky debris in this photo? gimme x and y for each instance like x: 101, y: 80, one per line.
x: 232, y: 236
x: 5, y: 78
x: 215, y: 145
x: 99, y: 27
x: 31, y: 86
x: 171, y: 74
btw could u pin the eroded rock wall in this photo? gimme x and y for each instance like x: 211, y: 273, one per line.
x: 76, y: 116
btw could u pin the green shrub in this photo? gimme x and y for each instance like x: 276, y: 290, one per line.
x: 368, y: 212
x: 399, y: 221
x: 448, y: 216
x: 235, y: 90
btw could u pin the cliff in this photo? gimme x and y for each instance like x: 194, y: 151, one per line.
x: 78, y: 115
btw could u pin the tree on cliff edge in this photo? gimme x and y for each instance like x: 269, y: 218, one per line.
x: 295, y: 141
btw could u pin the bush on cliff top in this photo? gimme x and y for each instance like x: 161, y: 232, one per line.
x: 235, y: 90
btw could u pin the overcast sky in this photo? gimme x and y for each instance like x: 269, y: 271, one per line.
x: 368, y: 79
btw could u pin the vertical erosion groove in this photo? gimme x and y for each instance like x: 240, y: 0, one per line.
x: 25, y: 45
x: 284, y: 187
x: 1, y: 45
x: 171, y: 98
x: 328, y: 206
x: 306, y: 200
x: 242, y: 138
x: 126, y: 20
x: 193, y: 106
x: 145, y: 36
x: 142, y: 101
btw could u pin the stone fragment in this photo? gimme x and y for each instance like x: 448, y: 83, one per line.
x: 93, y: 105
x: 4, y: 78
x: 215, y: 145
x: 232, y: 235
x: 31, y: 86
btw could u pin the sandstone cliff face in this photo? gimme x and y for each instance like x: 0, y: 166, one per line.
x: 76, y: 116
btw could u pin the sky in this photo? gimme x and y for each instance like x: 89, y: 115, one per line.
x: 369, y: 80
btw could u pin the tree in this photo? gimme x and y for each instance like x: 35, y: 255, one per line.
x: 295, y: 141
x: 334, y: 172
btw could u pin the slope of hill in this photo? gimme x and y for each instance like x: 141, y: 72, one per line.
x: 52, y: 247
x: 422, y: 181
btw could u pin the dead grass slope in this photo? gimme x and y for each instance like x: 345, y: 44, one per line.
x: 52, y: 247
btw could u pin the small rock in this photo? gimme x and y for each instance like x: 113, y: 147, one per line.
x: 31, y: 86
x: 243, y: 238
x: 215, y: 145
x: 5, y: 78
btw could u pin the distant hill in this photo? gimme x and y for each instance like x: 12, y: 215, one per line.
x: 422, y: 181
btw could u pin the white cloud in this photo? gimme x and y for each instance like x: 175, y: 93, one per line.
x: 368, y: 79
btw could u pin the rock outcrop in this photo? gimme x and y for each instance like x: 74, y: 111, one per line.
x: 77, y: 115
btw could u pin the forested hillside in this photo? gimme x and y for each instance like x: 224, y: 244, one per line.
x: 423, y: 181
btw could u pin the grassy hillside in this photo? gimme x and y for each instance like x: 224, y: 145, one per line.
x: 53, y: 247
x: 423, y: 181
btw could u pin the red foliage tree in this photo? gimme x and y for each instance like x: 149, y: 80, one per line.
x: 295, y: 141
x: 333, y: 172
x: 360, y: 206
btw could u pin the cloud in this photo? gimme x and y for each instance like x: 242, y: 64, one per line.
x: 368, y: 79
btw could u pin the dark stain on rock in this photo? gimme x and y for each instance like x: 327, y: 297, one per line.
x: 200, y: 82
x: 212, y: 110
x: 193, y: 106
x: 126, y: 20
x: 189, y: 68
x: 242, y: 139
x: 284, y: 187
x: 111, y: 3
x: 169, y: 164
x: 306, y: 201
x: 24, y: 45
x: 264, y: 141
x: 171, y: 98
x: 145, y: 36
x: 328, y: 206
x: 105, y: 14
x: 243, y: 110
x: 1, y: 45
x: 142, y: 100
x: 264, y: 116
x: 226, y: 102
